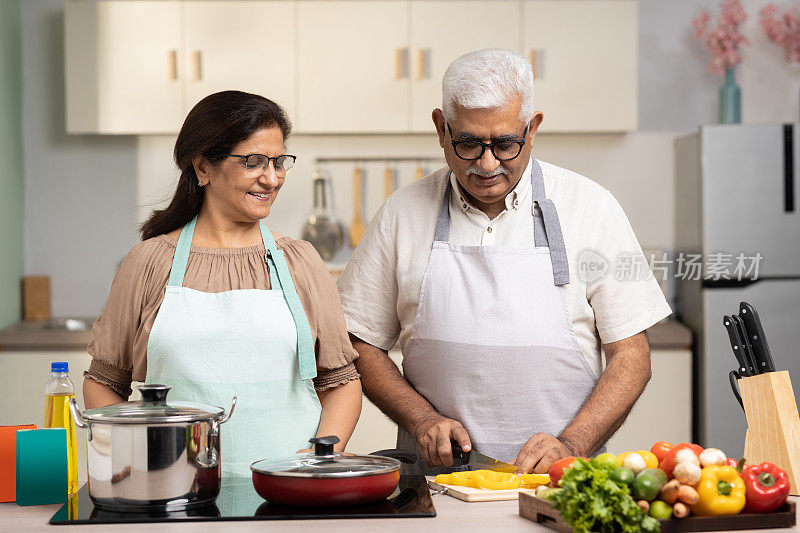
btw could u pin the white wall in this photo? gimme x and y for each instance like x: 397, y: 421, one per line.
x: 80, y: 190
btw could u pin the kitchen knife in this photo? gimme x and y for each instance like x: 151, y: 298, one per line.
x: 746, y: 351
x: 733, y: 375
x: 736, y: 344
x: 478, y: 461
x: 756, y: 337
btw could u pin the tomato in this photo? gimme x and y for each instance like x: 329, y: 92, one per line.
x: 668, y: 462
x: 557, y: 469
x: 661, y: 448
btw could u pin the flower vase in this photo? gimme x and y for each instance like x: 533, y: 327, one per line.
x: 730, y: 100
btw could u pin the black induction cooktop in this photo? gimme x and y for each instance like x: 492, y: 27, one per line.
x: 238, y: 500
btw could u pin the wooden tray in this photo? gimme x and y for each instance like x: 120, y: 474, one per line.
x: 542, y: 512
x: 471, y: 494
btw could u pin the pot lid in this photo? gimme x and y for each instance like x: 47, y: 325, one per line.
x: 153, y: 408
x: 323, y: 462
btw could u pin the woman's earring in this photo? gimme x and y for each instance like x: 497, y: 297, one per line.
x: 199, y: 183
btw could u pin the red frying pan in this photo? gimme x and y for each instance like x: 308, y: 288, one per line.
x: 326, y: 478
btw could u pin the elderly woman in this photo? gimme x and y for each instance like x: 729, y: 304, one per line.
x: 215, y: 304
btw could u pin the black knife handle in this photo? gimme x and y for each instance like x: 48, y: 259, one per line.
x: 733, y: 375
x: 756, y: 337
x: 749, y: 357
x: 460, y: 457
x: 736, y: 344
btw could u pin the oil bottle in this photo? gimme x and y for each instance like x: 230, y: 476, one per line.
x: 57, y: 394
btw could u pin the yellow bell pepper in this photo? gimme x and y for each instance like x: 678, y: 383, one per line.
x: 531, y: 481
x: 482, y: 479
x: 461, y: 479
x: 721, y: 490
x: 488, y: 479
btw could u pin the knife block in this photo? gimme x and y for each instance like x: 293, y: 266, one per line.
x: 773, y: 423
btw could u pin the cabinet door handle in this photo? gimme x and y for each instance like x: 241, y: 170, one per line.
x: 536, y: 58
x: 400, y: 63
x: 197, y: 59
x: 172, y: 64
x: 424, y: 64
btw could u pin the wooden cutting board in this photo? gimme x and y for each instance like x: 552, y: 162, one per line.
x: 471, y: 494
x: 542, y: 512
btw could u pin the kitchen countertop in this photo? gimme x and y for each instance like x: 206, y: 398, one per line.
x: 452, y: 515
x: 25, y: 336
x: 48, y: 335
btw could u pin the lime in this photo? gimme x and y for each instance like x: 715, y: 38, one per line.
x: 605, y: 460
x: 623, y: 476
x: 660, y: 510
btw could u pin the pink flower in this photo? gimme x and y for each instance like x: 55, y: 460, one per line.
x: 783, y: 29
x: 725, y: 39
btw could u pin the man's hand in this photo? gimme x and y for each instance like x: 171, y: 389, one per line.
x: 539, y: 453
x: 433, y: 435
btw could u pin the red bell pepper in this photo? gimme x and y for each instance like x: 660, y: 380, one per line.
x: 767, y: 487
x: 668, y: 463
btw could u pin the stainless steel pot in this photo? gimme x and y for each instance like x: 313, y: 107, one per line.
x: 153, y: 455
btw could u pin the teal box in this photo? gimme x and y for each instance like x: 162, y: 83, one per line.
x: 41, y: 466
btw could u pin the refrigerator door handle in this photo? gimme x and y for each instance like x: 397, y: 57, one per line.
x: 788, y: 168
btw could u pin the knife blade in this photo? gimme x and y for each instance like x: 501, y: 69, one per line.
x: 736, y: 344
x: 756, y: 337
x: 478, y: 461
x: 746, y: 350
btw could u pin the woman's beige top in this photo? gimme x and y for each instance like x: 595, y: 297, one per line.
x: 119, y: 348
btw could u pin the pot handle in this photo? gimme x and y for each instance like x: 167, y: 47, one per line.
x: 402, y: 456
x: 76, y: 414
x: 227, y: 416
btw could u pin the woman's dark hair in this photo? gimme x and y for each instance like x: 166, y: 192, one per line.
x: 213, y: 127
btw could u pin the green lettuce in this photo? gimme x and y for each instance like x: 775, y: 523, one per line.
x: 592, y: 502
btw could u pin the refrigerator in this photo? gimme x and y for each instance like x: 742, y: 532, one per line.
x: 737, y: 197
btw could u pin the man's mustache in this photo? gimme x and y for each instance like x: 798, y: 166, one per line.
x: 484, y: 174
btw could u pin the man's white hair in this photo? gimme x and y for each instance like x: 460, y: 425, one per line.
x: 488, y: 79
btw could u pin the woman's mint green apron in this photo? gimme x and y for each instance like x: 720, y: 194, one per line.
x: 254, y: 344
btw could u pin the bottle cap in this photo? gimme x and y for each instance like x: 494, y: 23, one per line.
x: 61, y: 366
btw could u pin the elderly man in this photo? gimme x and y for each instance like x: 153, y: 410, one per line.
x: 475, y: 269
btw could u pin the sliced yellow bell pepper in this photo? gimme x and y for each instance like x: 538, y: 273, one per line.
x: 461, y: 479
x: 531, y: 481
x: 487, y: 479
x: 482, y: 479
x: 721, y: 490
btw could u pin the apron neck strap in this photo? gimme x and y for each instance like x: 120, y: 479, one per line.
x: 281, y: 279
x: 552, y: 226
x: 181, y: 257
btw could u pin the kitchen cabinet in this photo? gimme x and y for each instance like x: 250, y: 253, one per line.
x: 138, y: 67
x: 246, y: 46
x: 122, y: 66
x: 353, y: 66
x: 441, y: 31
x: 340, y: 66
x: 585, y: 58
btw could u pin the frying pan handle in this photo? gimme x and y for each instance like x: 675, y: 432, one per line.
x: 402, y: 456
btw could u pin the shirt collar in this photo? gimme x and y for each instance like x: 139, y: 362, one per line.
x: 514, y: 200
